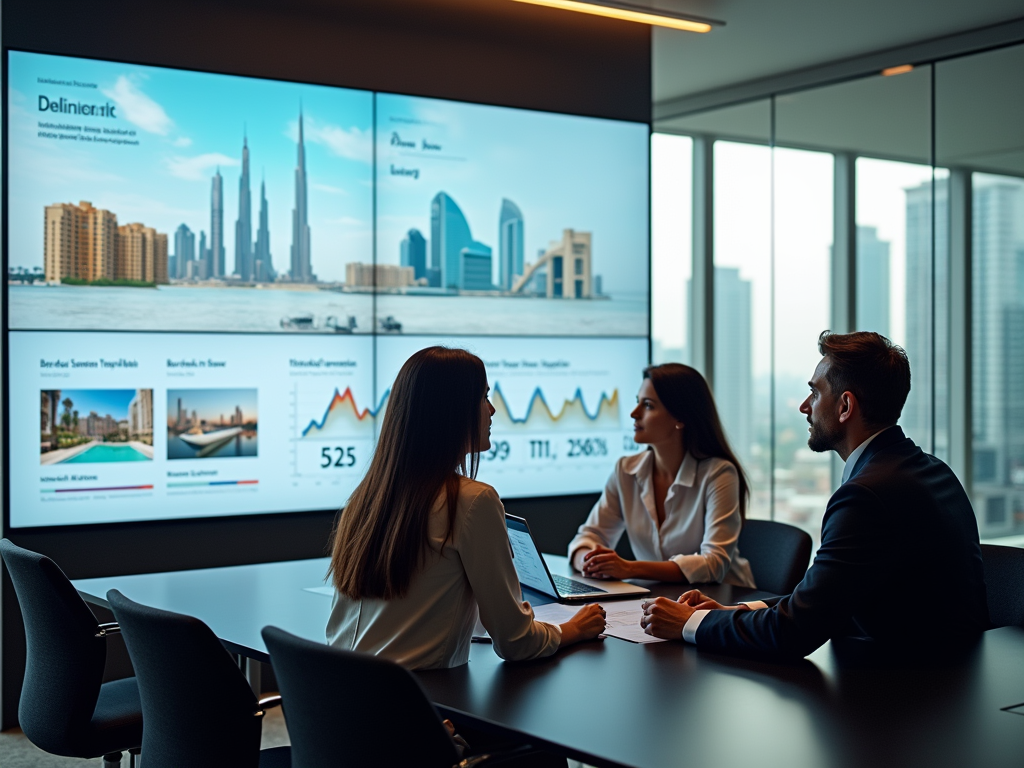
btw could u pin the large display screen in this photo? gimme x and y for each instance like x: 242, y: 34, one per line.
x: 213, y: 281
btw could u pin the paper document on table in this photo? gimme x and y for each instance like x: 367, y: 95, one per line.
x: 623, y: 621
x: 554, y: 613
x: 622, y: 618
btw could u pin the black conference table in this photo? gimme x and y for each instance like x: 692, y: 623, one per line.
x: 614, y: 703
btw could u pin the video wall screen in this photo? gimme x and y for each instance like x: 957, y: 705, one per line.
x: 213, y: 281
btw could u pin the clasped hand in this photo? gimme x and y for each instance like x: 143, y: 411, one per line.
x: 666, y: 618
x: 604, y: 563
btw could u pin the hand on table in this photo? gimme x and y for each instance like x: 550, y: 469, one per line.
x: 665, y: 618
x: 604, y: 563
x: 588, y: 623
x: 701, y: 602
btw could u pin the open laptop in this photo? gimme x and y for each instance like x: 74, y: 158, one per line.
x: 533, y: 571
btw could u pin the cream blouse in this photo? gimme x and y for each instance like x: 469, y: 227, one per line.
x: 431, y: 627
x: 702, y: 518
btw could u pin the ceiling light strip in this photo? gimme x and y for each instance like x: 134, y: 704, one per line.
x: 625, y: 12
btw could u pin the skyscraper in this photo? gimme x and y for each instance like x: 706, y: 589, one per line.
x: 510, y: 244
x: 216, y: 264
x: 264, y: 265
x: 414, y: 253
x: 201, y: 268
x: 184, y: 250
x: 734, y: 378
x: 872, y: 282
x: 450, y: 238
x: 243, y: 225
x: 997, y: 339
x: 917, y: 413
x: 301, y: 266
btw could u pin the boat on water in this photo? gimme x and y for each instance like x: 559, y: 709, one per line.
x: 199, y: 439
x: 310, y: 323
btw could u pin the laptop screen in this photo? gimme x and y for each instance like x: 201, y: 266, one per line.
x: 526, y: 558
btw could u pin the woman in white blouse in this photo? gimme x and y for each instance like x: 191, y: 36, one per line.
x: 681, y: 502
x: 421, y: 544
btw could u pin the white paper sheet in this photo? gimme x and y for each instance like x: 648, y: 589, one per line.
x: 622, y: 618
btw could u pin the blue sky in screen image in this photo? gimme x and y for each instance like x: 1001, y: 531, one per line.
x: 188, y: 124
x: 105, y: 402
x: 564, y: 172
x: 211, y: 404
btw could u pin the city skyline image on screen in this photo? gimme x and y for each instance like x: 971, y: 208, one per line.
x: 213, y: 281
x: 158, y: 199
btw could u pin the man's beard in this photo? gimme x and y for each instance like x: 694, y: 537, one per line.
x: 822, y: 439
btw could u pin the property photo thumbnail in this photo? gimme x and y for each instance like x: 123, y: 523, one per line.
x: 211, y: 423
x: 79, y: 426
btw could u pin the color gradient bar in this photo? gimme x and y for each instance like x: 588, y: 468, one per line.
x: 204, y: 483
x: 88, y: 490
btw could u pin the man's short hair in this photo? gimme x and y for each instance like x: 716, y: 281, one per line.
x: 870, y: 366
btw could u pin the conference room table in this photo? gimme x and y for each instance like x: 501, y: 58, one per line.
x: 614, y: 703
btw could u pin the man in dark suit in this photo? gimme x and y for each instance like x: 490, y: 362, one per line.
x: 899, y: 571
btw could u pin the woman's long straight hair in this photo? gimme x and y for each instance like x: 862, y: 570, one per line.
x: 431, y: 423
x: 687, y: 396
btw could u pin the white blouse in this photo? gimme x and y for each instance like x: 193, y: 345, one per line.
x: 431, y: 627
x: 702, y: 518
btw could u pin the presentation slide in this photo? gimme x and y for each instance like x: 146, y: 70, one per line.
x: 163, y: 426
x: 495, y: 220
x: 561, y: 407
x: 213, y: 280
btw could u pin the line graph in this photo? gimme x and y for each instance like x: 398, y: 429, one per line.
x: 342, y: 419
x: 573, y: 413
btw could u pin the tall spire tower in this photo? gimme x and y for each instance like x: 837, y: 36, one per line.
x: 262, y: 264
x: 301, y: 268
x: 243, y: 225
x: 216, y: 265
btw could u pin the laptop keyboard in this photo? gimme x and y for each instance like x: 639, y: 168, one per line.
x: 568, y: 587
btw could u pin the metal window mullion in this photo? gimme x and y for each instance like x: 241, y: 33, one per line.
x: 960, y: 286
x: 702, y: 284
x: 844, y: 258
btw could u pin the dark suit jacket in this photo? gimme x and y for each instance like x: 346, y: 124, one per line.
x: 899, y: 567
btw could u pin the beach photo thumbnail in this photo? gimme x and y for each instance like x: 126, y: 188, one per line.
x: 80, y: 426
x: 211, y: 423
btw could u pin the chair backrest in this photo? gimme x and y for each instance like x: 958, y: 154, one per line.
x: 1004, y: 584
x: 64, y: 655
x: 778, y: 553
x: 347, y: 708
x: 198, y: 709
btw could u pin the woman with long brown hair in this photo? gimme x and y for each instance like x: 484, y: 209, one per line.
x: 681, y: 502
x: 421, y: 544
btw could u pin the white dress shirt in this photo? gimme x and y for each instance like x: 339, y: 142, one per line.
x: 702, y: 518
x: 690, y: 628
x: 431, y: 627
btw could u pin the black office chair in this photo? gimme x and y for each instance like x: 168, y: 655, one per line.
x: 66, y: 708
x: 199, y: 709
x: 778, y: 553
x: 1004, y: 583
x: 351, y: 709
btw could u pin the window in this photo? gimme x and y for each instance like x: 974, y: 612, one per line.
x: 671, y: 245
x: 742, y: 315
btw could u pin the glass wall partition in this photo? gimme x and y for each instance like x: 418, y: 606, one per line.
x: 671, y: 246
x: 979, y: 136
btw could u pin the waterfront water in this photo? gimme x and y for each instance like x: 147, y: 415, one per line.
x: 103, y: 453
x: 248, y: 310
x: 240, y: 445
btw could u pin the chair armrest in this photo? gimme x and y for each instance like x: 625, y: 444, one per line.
x: 111, y: 628
x: 266, y: 703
